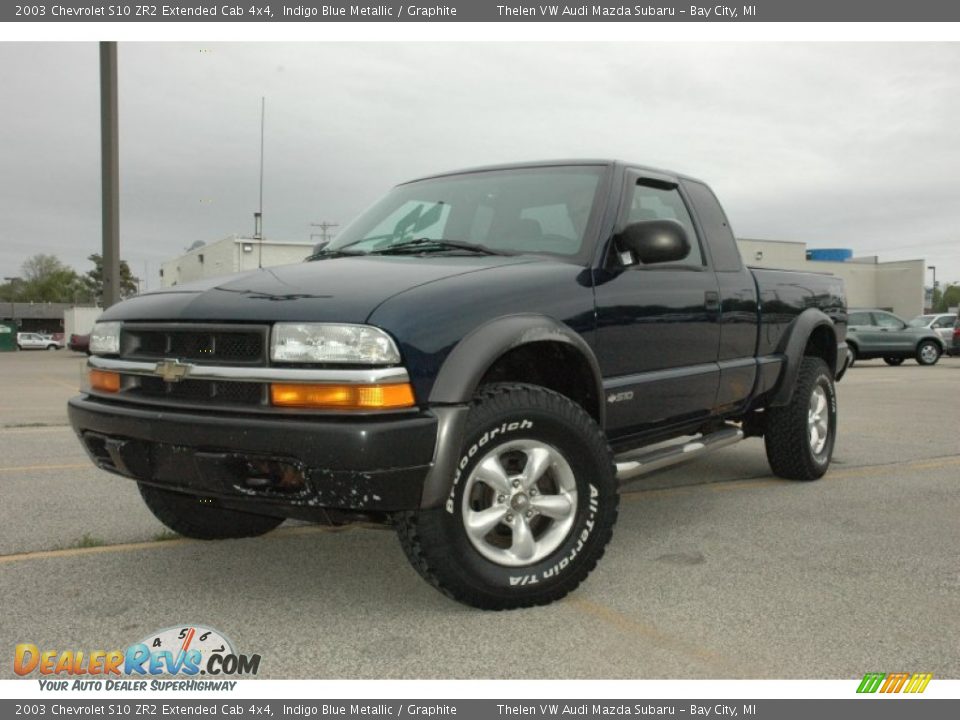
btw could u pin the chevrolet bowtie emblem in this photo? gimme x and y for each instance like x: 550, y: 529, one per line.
x: 172, y: 370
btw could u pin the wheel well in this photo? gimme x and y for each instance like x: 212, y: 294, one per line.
x: 936, y: 340
x: 822, y: 343
x: 557, y: 366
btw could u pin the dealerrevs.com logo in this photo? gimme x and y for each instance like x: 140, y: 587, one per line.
x: 186, y: 651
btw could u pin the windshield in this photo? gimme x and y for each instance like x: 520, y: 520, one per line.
x: 526, y: 210
x: 921, y: 320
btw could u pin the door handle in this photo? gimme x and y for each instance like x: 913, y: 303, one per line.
x: 711, y: 300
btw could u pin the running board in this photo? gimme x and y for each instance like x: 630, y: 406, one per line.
x: 634, y: 463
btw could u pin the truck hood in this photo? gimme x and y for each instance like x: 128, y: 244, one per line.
x: 344, y: 289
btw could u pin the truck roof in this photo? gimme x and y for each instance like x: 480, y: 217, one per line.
x: 606, y: 162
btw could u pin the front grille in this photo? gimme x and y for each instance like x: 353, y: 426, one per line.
x: 203, y: 344
x: 208, y: 392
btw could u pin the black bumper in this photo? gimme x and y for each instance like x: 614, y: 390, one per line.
x: 290, y: 466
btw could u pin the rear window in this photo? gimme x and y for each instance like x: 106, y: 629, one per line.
x: 719, y: 236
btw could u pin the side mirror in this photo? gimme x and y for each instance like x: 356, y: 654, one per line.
x: 318, y: 248
x: 655, y: 241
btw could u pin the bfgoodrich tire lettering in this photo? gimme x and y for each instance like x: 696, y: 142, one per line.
x: 800, y: 436
x: 519, y: 419
x: 194, y: 517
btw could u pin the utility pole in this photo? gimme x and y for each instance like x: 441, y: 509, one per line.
x: 933, y: 295
x: 110, y: 173
x: 259, y: 213
x: 324, y: 233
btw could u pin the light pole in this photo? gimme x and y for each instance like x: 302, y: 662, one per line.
x: 933, y: 295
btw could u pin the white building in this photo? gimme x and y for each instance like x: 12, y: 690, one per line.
x: 231, y: 255
x: 897, y: 286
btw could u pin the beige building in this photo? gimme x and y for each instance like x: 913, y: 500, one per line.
x: 896, y: 286
x: 231, y: 255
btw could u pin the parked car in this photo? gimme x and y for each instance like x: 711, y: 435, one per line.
x: 874, y: 333
x: 479, y: 360
x: 36, y: 341
x: 942, y: 324
x: 79, y: 343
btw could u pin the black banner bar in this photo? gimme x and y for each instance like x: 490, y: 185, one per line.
x: 480, y: 11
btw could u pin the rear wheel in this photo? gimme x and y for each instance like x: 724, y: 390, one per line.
x: 198, y: 517
x: 800, y: 436
x: 853, y: 355
x: 928, y: 352
x: 532, y: 506
x: 893, y: 361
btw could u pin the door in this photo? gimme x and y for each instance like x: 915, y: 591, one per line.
x: 657, y: 332
x: 943, y: 326
x: 893, y: 334
x: 860, y: 331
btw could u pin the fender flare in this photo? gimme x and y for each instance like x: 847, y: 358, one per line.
x: 792, y: 345
x: 460, y: 376
x: 467, y: 363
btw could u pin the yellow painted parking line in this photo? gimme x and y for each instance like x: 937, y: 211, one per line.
x: 28, y: 468
x: 16, y: 429
x: 61, y: 383
x: 629, y: 626
x: 637, y: 492
x: 926, y: 464
x: 156, y: 544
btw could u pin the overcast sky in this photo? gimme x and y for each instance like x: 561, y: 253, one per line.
x: 840, y: 145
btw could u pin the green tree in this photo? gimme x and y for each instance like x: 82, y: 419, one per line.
x: 936, y: 297
x: 44, y: 279
x: 93, y: 280
x: 950, y: 298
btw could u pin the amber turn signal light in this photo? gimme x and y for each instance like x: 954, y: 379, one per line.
x: 342, y: 397
x: 105, y: 381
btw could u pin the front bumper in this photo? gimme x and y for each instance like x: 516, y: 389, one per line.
x: 288, y: 466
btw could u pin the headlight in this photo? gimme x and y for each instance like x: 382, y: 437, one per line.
x: 329, y: 343
x: 105, y: 338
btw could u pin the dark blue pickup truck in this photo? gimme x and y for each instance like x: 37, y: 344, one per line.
x: 481, y: 359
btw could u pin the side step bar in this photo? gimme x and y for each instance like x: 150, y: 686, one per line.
x: 634, y: 463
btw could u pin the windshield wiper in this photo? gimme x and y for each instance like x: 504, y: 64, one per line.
x: 430, y: 245
x: 325, y: 253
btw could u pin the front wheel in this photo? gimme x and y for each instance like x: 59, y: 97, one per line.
x: 196, y: 517
x: 531, y: 508
x: 51, y: 347
x: 928, y: 353
x: 894, y: 361
x: 800, y: 436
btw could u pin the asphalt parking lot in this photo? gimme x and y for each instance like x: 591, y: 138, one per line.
x: 716, y: 568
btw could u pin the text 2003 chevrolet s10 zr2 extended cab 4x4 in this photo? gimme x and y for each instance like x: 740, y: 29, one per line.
x: 480, y: 358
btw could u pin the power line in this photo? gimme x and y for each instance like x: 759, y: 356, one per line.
x: 324, y: 233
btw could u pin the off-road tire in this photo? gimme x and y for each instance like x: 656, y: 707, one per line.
x: 201, y: 519
x: 436, y: 541
x: 893, y: 361
x: 921, y: 352
x: 787, y: 438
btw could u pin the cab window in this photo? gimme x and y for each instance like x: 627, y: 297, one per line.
x: 888, y: 321
x: 655, y: 203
